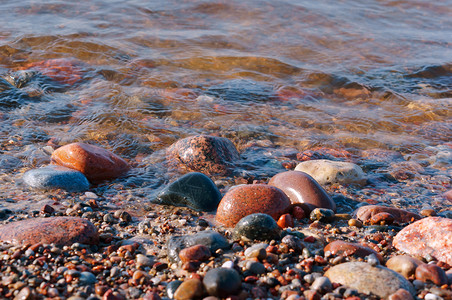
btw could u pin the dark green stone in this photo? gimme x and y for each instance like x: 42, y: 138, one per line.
x: 222, y: 282
x: 257, y: 227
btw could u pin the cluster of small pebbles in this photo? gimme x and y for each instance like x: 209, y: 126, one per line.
x: 289, y: 237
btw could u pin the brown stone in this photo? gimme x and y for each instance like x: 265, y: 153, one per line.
x: 195, y: 253
x: 189, y: 289
x: 302, y: 188
x: 430, y: 272
x: 202, y: 153
x: 58, y: 230
x: 382, y: 218
x: 448, y: 196
x: 401, y: 294
x: 347, y: 249
x: 94, y: 162
x: 244, y: 200
x: 365, y: 213
x: 430, y: 236
x: 285, y: 221
x: 403, y: 264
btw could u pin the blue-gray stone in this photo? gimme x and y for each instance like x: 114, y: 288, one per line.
x: 194, y: 190
x: 9, y: 162
x: 257, y: 226
x: 172, y: 287
x: 211, y: 239
x: 87, y: 278
x: 222, y: 282
x: 56, y: 177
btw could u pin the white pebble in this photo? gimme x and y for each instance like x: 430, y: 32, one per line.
x: 228, y: 264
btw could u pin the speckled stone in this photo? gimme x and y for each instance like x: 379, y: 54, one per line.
x: 257, y: 227
x: 403, y: 264
x: 431, y: 272
x: 368, y: 279
x: 194, y: 190
x: 244, y: 200
x: 347, y: 249
x: 327, y: 171
x: 365, y: 213
x: 94, y: 162
x: 222, y: 282
x: 300, y: 187
x: 56, y: 177
x: 211, y: 239
x: 202, y: 153
x: 8, y: 162
x: 430, y: 236
x: 58, y: 230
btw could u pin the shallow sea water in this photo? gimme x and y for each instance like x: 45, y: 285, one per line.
x: 275, y: 77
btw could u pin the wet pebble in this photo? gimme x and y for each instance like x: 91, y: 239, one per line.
x: 430, y: 236
x: 403, y: 264
x: 57, y: 230
x: 300, y: 187
x: 257, y: 226
x: 194, y: 253
x: 369, y: 212
x: 222, y: 282
x: 254, y: 267
x: 322, y: 284
x: 8, y: 162
x: 87, y: 278
x: 203, y: 153
x: 144, y: 260
x: 56, y: 177
x: 327, y: 171
x: 211, y: 239
x: 94, y: 162
x: 293, y: 243
x: 243, y: 200
x: 401, y: 294
x: 172, y: 287
x: 342, y: 248
x: 194, y: 190
x: 257, y: 251
x: 368, y: 279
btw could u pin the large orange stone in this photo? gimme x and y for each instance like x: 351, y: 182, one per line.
x: 244, y: 200
x: 300, y: 187
x: 94, y: 162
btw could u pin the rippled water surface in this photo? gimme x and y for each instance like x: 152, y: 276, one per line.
x: 135, y: 76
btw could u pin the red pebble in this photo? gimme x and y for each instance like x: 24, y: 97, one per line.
x: 251, y: 279
x: 431, y: 272
x: 195, y: 253
x: 47, y: 209
x: 298, y: 213
x: 309, y: 239
x: 285, y: 221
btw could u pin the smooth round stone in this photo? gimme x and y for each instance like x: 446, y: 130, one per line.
x: 300, y: 187
x: 211, y: 239
x: 431, y: 272
x: 56, y: 177
x: 57, y: 230
x: 322, y: 284
x: 257, y: 227
x: 94, y: 162
x: 431, y: 236
x: 367, y: 212
x: 347, y: 249
x: 369, y: 279
x: 257, y: 251
x: 244, y: 200
x: 401, y: 294
x: 293, y: 242
x: 322, y: 215
x: 255, y: 267
x: 403, y: 264
x: 327, y: 171
x: 144, y: 260
x: 87, y: 278
x: 195, y: 253
x: 172, y: 287
x: 189, y: 289
x: 194, y: 190
x: 222, y: 282
x: 203, y: 153
x: 8, y: 162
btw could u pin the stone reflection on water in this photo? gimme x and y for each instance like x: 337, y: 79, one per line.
x: 276, y: 78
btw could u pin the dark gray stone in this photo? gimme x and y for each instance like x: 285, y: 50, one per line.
x: 87, y: 278
x: 257, y: 227
x: 194, y: 190
x: 293, y: 242
x: 172, y: 287
x: 222, y: 282
x: 322, y: 214
x: 211, y: 239
x: 56, y: 177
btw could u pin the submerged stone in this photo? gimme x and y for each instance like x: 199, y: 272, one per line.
x: 203, y: 153
x: 57, y: 230
x: 367, y: 212
x: 211, y: 239
x: 194, y: 190
x: 8, y: 162
x: 56, y: 177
